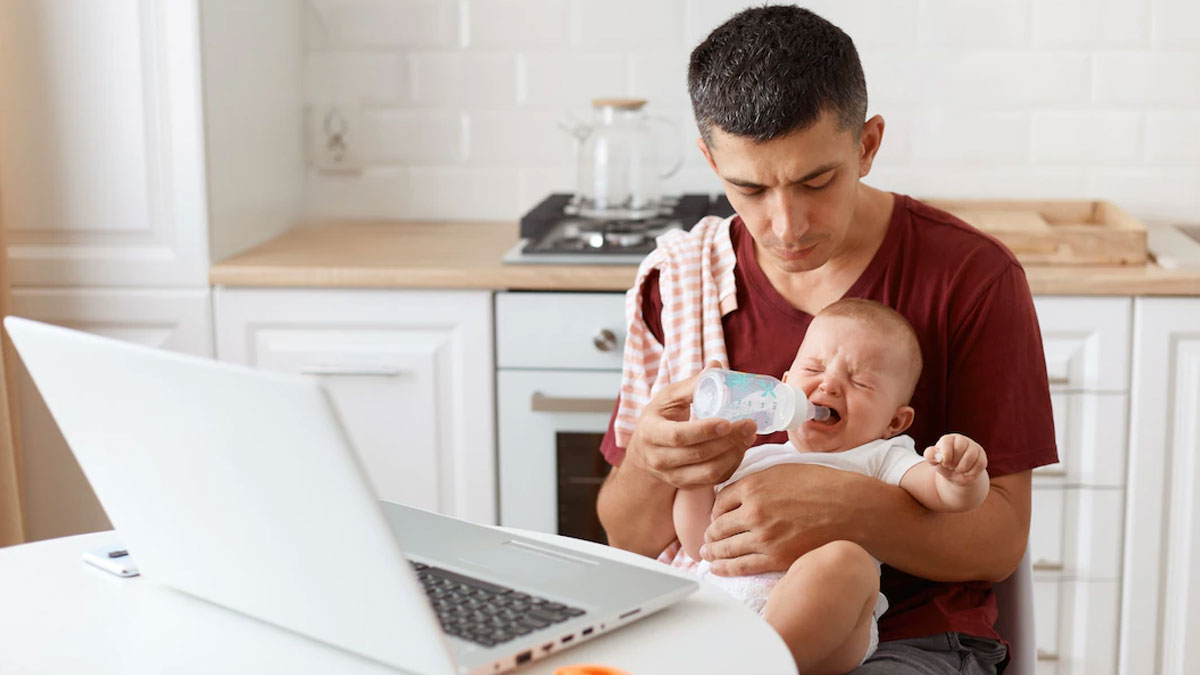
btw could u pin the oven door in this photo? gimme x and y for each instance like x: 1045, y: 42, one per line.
x: 551, y: 425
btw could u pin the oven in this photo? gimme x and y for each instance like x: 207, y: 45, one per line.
x: 558, y: 358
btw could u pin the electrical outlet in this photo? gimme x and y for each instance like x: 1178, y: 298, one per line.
x: 335, y: 135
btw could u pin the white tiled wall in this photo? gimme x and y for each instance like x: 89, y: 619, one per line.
x: 458, y: 100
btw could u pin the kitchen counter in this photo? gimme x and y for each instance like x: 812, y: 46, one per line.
x: 468, y: 255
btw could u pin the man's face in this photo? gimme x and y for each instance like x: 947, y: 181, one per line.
x: 845, y: 365
x: 796, y: 193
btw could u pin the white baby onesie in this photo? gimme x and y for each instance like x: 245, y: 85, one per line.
x: 886, y: 459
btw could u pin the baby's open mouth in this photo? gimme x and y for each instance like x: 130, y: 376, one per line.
x: 833, y: 418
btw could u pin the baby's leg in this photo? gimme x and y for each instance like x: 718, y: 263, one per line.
x: 692, y: 513
x: 822, y: 607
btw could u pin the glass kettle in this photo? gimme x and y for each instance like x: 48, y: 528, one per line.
x: 621, y: 160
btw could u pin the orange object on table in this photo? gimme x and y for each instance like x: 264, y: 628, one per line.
x: 588, y: 669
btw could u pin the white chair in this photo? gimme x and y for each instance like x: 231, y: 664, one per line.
x: 1014, y: 600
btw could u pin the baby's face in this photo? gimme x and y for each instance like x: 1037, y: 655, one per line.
x: 846, y: 366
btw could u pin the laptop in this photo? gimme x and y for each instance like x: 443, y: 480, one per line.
x: 239, y: 486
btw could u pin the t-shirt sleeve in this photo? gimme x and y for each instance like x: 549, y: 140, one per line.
x: 652, y: 315
x: 998, y: 392
x: 901, y: 455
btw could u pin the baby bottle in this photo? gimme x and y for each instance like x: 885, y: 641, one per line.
x: 773, y: 405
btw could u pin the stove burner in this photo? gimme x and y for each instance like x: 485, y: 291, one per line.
x: 618, y: 234
x: 555, y: 228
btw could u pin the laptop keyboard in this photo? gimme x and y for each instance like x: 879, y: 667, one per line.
x: 486, y: 613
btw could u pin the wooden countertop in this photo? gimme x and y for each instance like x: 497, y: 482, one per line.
x: 468, y: 255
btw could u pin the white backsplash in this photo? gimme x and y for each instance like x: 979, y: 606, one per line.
x: 457, y: 100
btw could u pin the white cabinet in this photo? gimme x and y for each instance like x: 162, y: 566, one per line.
x: 1160, y: 598
x: 410, y: 373
x: 1076, y: 525
x: 118, y: 166
x: 58, y: 499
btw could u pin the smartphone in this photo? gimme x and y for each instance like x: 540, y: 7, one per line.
x: 112, y: 559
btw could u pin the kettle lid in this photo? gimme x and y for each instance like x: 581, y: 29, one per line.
x: 619, y: 103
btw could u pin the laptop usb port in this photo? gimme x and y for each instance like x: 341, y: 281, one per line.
x: 630, y: 613
x: 587, y: 631
x: 567, y: 639
x: 524, y: 657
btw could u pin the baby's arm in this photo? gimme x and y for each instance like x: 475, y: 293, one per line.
x: 952, y: 478
x: 693, y: 513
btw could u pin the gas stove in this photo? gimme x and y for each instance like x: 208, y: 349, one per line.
x: 554, y: 232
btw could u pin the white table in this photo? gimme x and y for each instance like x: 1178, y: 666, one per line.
x: 60, y: 616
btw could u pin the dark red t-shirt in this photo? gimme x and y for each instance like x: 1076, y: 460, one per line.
x: 966, y: 296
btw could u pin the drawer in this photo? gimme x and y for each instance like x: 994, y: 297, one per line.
x: 1076, y: 533
x: 579, y: 331
x: 1046, y: 605
x: 1086, y: 341
x: 1077, y: 624
x: 1091, y: 431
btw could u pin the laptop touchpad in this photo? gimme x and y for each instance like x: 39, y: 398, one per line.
x: 518, y: 560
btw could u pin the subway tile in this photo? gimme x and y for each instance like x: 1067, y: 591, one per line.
x: 703, y: 16
x: 535, y: 183
x: 1090, y: 23
x: 518, y: 138
x: 358, y: 24
x: 572, y: 79
x: 660, y: 77
x: 1086, y: 137
x: 1004, y: 79
x: 413, y: 137
x: 974, y: 24
x: 453, y: 193
x: 1173, y: 138
x: 891, y: 77
x: 373, y: 193
x: 629, y: 23
x: 1152, y: 194
x: 1147, y: 78
x: 362, y: 78
x: 967, y: 137
x: 477, y: 80
x: 871, y: 23
x: 993, y: 182
x: 518, y: 24
x: 1176, y: 23
x: 896, y: 147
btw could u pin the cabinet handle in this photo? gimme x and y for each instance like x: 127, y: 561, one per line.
x: 354, y: 371
x: 1050, y: 473
x: 539, y: 402
x: 605, y: 340
x: 1043, y: 655
x: 1058, y: 379
x: 1046, y: 566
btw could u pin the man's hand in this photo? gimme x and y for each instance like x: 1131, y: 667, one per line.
x: 767, y: 520
x: 682, y: 452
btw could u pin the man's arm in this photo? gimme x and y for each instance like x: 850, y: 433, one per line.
x: 982, y: 544
x: 635, y: 510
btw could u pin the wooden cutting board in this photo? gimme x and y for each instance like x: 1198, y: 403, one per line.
x: 1057, y: 232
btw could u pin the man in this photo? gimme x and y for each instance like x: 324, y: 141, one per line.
x: 780, y: 99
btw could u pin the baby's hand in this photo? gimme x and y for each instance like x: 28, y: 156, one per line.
x: 957, y: 458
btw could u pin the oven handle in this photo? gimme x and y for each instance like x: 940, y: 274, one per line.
x: 539, y: 402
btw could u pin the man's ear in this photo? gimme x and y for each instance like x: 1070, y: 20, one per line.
x: 868, y: 144
x: 707, y: 153
x: 901, y: 421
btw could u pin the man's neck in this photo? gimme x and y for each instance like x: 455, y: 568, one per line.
x: 813, y: 290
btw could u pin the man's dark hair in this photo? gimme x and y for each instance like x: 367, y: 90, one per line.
x: 772, y: 70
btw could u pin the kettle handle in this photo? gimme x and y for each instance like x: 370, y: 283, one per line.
x: 677, y: 163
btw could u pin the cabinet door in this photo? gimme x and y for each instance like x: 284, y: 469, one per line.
x: 101, y: 143
x: 1160, y: 601
x: 410, y: 374
x: 58, y: 499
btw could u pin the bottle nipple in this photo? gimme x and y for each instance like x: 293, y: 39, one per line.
x: 820, y: 413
